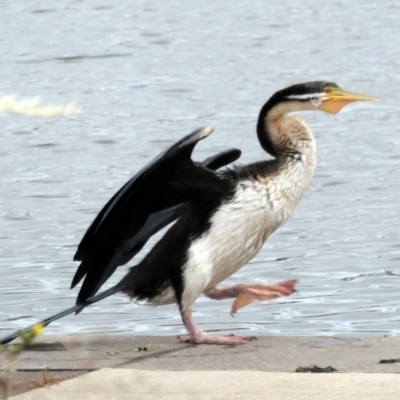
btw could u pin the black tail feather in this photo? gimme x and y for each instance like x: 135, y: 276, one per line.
x: 75, y: 309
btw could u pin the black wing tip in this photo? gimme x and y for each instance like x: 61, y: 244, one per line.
x: 231, y: 155
x: 77, y: 278
x: 234, y: 153
x: 88, y: 290
x: 193, y: 137
x: 83, y: 295
x: 204, y: 131
x: 222, y: 159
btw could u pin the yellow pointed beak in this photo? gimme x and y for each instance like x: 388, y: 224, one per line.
x: 334, y: 101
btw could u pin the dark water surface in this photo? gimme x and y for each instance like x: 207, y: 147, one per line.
x: 145, y: 74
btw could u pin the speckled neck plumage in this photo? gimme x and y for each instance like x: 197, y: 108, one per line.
x: 291, y: 142
x: 281, y: 134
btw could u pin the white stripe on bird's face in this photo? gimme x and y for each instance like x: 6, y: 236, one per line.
x: 315, y: 99
x: 306, y: 96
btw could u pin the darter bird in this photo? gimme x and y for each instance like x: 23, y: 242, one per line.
x: 223, y: 217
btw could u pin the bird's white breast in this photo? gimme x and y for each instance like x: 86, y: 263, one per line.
x: 240, y: 227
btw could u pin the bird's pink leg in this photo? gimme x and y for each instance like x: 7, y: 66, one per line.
x: 196, y: 336
x: 245, y: 294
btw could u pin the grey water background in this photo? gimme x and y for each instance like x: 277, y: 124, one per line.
x: 145, y: 74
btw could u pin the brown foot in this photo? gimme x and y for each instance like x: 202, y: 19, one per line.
x: 227, y: 340
x: 245, y: 294
x: 196, y: 336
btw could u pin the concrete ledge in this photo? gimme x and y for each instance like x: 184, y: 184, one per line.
x: 250, y: 385
x: 271, y: 354
x: 67, y: 356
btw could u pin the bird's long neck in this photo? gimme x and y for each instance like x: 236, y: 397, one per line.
x: 289, y: 140
x: 281, y: 134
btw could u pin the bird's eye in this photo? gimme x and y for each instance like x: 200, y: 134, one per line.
x: 328, y: 90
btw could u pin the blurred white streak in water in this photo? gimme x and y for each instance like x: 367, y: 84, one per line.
x: 33, y: 108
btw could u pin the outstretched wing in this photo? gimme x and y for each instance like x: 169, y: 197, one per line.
x: 155, y: 221
x: 143, y: 206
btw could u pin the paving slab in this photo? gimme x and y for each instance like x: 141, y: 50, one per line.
x: 72, y: 355
x: 272, y: 354
x: 131, y: 384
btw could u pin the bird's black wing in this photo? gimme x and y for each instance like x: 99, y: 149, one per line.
x: 139, y: 209
x: 159, y: 220
x: 155, y: 221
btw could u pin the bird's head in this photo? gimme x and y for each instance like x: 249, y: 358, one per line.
x: 322, y: 95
